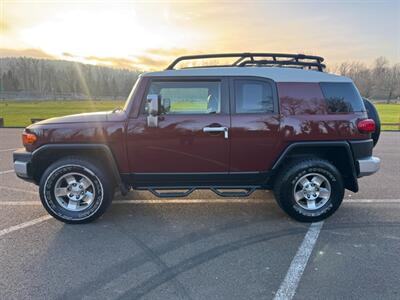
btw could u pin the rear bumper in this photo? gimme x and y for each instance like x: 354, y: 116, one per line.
x: 369, y: 165
x: 22, y: 164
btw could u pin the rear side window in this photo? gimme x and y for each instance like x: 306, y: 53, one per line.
x: 253, y: 96
x: 342, y: 97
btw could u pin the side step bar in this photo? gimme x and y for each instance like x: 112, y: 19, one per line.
x: 245, y: 193
x: 156, y: 193
x: 174, y: 192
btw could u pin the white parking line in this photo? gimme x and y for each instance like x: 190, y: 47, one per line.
x: 24, y: 225
x: 151, y: 201
x: 289, y: 285
x: 17, y: 190
x: 189, y: 201
x: 6, y: 150
x: 6, y: 172
x: 371, y: 201
x: 19, y: 203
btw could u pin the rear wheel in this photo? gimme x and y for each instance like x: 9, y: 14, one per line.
x: 309, y: 190
x: 75, y: 190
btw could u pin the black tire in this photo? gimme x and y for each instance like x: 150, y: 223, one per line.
x: 373, y: 114
x: 102, y: 189
x: 285, y: 184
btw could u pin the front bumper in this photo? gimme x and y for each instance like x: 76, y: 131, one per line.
x: 369, y: 165
x: 22, y: 163
x: 21, y: 169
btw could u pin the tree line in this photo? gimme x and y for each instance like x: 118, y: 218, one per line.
x: 47, y: 78
x: 40, y: 78
x: 380, y: 81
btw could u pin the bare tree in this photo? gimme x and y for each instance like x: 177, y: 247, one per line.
x: 380, y: 81
x: 50, y: 78
x: 391, y: 82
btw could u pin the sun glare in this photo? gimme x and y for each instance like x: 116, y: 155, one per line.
x: 93, y: 33
x: 146, y: 34
x: 119, y: 33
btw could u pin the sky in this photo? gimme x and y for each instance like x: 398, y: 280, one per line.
x: 146, y: 35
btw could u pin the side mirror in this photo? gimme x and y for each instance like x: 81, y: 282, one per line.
x: 153, y: 104
x: 166, y: 105
x: 153, y: 109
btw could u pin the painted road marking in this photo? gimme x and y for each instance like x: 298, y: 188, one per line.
x: 189, y: 201
x: 20, y: 203
x: 289, y: 285
x: 17, y: 190
x: 234, y: 200
x: 6, y: 172
x: 24, y: 225
x: 146, y: 201
x: 6, y: 150
x: 371, y: 201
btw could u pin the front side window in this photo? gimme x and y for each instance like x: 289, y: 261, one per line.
x: 253, y: 96
x: 189, y: 97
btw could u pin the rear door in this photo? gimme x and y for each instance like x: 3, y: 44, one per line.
x: 255, y: 125
x: 191, y: 138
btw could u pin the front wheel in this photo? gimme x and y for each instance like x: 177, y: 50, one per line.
x: 75, y: 190
x: 310, y: 190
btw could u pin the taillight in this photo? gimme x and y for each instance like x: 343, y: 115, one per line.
x: 28, y: 138
x: 366, y: 126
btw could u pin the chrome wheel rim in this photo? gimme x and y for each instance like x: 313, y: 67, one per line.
x: 74, y: 191
x: 312, y: 191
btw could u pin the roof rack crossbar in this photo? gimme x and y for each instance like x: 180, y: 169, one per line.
x: 319, y: 66
x: 280, y: 59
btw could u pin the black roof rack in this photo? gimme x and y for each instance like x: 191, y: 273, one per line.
x: 253, y: 59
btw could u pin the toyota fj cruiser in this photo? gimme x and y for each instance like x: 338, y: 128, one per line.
x: 264, y: 121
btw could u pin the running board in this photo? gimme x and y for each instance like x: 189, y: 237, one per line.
x: 247, y: 192
x: 173, y: 192
x: 156, y: 193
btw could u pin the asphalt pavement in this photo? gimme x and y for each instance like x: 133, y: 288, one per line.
x: 203, y: 246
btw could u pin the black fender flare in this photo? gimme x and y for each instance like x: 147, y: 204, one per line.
x: 47, y: 149
x: 352, y: 185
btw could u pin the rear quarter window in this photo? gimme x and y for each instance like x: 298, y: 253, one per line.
x: 342, y: 97
x: 301, y: 99
x: 253, y: 96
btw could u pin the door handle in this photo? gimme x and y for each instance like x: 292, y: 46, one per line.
x: 217, y: 129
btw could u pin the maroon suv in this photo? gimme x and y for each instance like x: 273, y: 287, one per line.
x: 265, y: 121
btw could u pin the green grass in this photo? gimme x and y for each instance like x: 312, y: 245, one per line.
x: 19, y: 113
x: 199, y: 106
x: 389, y: 113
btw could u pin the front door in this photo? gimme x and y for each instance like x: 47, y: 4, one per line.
x: 191, y: 139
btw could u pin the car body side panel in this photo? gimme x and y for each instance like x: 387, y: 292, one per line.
x: 254, y: 137
x: 178, y: 144
x: 254, y: 142
x: 111, y: 131
x: 305, y: 117
x: 111, y: 134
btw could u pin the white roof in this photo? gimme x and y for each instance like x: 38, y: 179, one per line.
x: 275, y: 73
